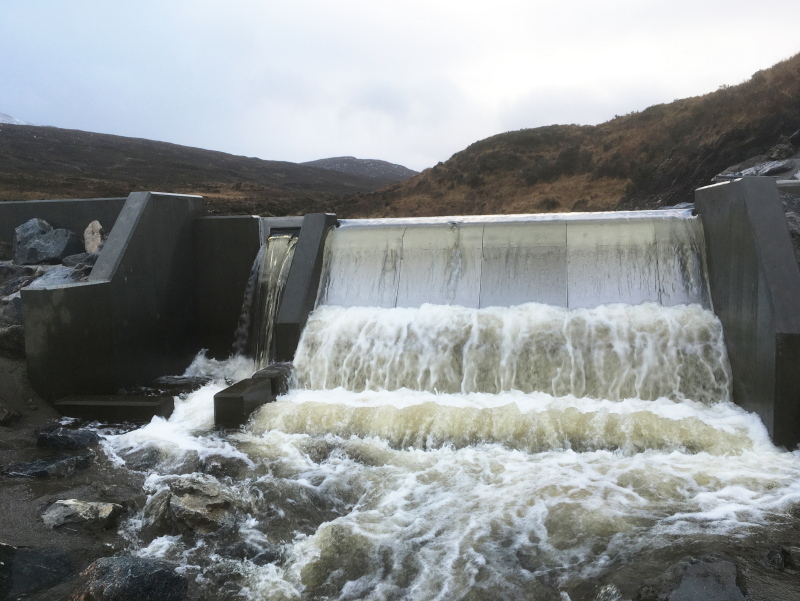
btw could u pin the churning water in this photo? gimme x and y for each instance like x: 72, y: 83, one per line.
x: 465, y: 451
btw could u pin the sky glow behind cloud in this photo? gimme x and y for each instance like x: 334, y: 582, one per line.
x: 410, y: 82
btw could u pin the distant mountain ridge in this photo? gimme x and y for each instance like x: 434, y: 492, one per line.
x: 8, y: 119
x: 47, y: 162
x: 372, y: 168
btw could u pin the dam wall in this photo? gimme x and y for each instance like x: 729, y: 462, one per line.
x: 134, y: 318
x: 755, y: 288
x: 577, y: 260
x: 72, y: 214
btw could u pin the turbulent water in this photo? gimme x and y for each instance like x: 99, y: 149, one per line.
x: 360, y: 484
x: 463, y: 450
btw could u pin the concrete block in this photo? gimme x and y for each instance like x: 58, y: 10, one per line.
x: 234, y: 405
x: 115, y: 408
x: 300, y: 294
x: 755, y: 287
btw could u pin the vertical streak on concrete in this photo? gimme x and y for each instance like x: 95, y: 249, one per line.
x: 755, y: 286
x: 300, y: 292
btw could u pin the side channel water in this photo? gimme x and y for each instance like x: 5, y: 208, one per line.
x: 454, y: 431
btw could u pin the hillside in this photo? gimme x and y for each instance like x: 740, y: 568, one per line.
x: 48, y: 162
x: 647, y: 159
x: 382, y: 171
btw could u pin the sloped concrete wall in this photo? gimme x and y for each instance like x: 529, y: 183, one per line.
x: 755, y: 290
x: 136, y: 317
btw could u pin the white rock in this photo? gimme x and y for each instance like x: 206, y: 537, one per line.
x: 90, y: 513
x: 94, y: 236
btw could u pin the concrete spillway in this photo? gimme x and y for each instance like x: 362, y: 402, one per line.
x: 564, y: 260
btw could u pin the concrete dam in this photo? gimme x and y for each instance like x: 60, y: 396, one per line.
x: 510, y: 406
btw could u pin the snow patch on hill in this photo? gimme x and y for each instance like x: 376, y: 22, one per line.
x: 11, y: 121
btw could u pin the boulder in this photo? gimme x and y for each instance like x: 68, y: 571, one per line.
x: 93, y: 515
x: 60, y: 466
x: 24, y: 571
x: 37, y: 242
x: 64, y: 438
x: 16, y: 284
x: 769, y: 168
x: 708, y: 578
x: 11, y: 310
x: 9, y: 271
x: 12, y: 341
x: 94, y: 236
x: 189, y: 505
x: 130, y: 579
x: 86, y: 258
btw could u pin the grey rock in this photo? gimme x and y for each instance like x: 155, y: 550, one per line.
x: 32, y: 228
x: 11, y: 310
x: 130, y: 579
x: 86, y: 258
x: 12, y: 341
x: 91, y: 514
x: 769, y: 168
x: 780, y: 152
x: 709, y: 578
x: 9, y: 271
x: 190, y: 505
x: 34, y: 243
x: 778, y: 558
x: 55, y: 276
x: 94, y: 236
x: 795, y: 138
x: 64, y: 438
x: 58, y: 467
x: 16, y: 284
x: 7, y: 416
x: 24, y: 571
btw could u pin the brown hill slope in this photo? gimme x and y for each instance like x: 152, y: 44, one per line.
x: 652, y: 158
x: 48, y: 162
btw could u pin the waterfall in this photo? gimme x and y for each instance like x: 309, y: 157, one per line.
x: 262, y: 298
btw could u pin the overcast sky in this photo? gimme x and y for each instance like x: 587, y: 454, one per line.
x: 411, y: 82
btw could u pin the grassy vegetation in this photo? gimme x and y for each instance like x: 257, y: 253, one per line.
x: 646, y: 159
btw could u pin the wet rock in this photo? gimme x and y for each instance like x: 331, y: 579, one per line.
x: 709, y: 578
x: 94, y: 236
x: 190, y: 505
x: 52, y: 467
x: 609, y: 593
x: 24, y: 571
x: 795, y: 138
x: 37, y: 242
x: 64, y: 438
x: 778, y: 558
x: 130, y: 579
x: 93, y: 515
x: 87, y: 258
x: 7, y: 416
x: 142, y: 460
x: 12, y: 342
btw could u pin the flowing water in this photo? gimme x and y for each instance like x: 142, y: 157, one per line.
x: 262, y: 298
x: 465, y: 451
